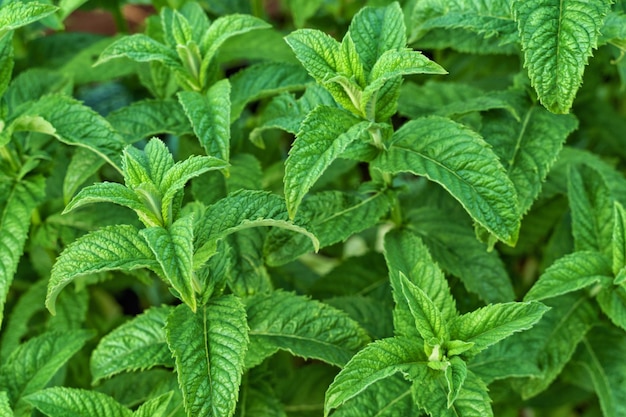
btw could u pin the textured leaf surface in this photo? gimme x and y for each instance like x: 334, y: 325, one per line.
x: 224, y: 28
x: 502, y: 360
x: 209, y: 347
x: 154, y: 407
x: 385, y: 398
x: 429, y: 320
x: 619, y: 239
x: 481, y: 271
x: 138, y: 344
x: 20, y: 201
x: 209, y: 115
x: 324, y: 135
x: 106, y: 192
x: 304, y: 327
x: 6, y: 64
x: 488, y: 325
x: 33, y: 364
x: 74, y: 402
x: 377, y: 361
x: 173, y: 250
x: 317, y: 51
x: 460, y: 160
x: 612, y: 301
x: 16, y: 14
x: 570, y: 273
x: 114, y: 247
x: 140, y: 48
x: 557, y: 37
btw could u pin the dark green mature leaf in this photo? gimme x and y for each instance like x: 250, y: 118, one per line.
x: 460, y: 160
x: 264, y: 80
x: 600, y: 359
x: 570, y: 273
x: 21, y: 200
x: 32, y: 365
x: 209, y: 115
x: 138, y: 344
x: 6, y: 64
x: 472, y: 400
x: 248, y: 273
x: 490, y: 324
x: 133, y: 388
x: 114, y: 247
x: 388, y: 397
x: 528, y: 146
x: 553, y: 340
x: 481, y: 271
x: 209, y: 347
x: 62, y: 401
x: 502, y: 360
x: 304, y: 327
x: 173, y: 250
x: 591, y: 204
x: 557, y: 37
x: 619, y: 242
x: 324, y: 135
x: 378, y: 360
x: 16, y: 14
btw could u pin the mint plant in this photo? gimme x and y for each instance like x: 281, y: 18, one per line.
x: 318, y: 208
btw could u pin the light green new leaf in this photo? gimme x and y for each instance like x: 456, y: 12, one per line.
x: 173, y: 249
x: 527, y: 146
x: 16, y: 14
x: 138, y: 344
x: 209, y: 347
x: 159, y: 158
x: 304, y: 327
x: 377, y: 30
x: 612, y: 301
x: 264, y: 80
x: 482, y: 272
x: 350, y: 63
x: 224, y: 28
x: 618, y: 239
x: 141, y: 48
x: 378, y: 360
x: 490, y: 324
x: 428, y: 319
x: 472, y: 401
x: 114, y: 247
x: 591, y: 204
x: 209, y: 115
x: 600, y: 359
x: 64, y: 402
x: 557, y: 37
x: 155, y: 407
x: 32, y: 365
x: 6, y: 66
x: 455, y: 375
x: 324, y: 135
x: 463, y: 163
x: 242, y: 210
x: 21, y: 200
x: 318, y: 52
x: 570, y: 273
x: 107, y: 192
x: 552, y: 341
x: 176, y: 28
x: 5, y: 407
x: 395, y: 63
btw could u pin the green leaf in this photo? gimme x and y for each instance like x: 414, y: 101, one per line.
x: 324, y: 135
x: 333, y: 217
x: 155, y: 407
x: 138, y: 344
x: 107, y: 192
x: 502, y: 360
x: 114, y: 247
x: 481, y: 271
x: 490, y: 324
x: 265, y: 80
x: 600, y: 360
x: 385, y: 398
x: 557, y: 37
x: 242, y: 210
x: 570, y: 273
x: 528, y: 147
x: 552, y: 341
x: 132, y: 388
x: 6, y: 63
x: 318, y: 52
x: 5, y: 407
x: 461, y: 161
x: 429, y: 320
x: 210, y: 118
x: 472, y: 400
x: 62, y: 401
x: 140, y: 48
x: 304, y: 327
x: 591, y: 204
x: 16, y: 14
x: 209, y: 347
x: 377, y: 30
x: 618, y: 239
x: 455, y: 375
x: 32, y: 365
x: 395, y: 63
x: 378, y: 360
x: 22, y: 198
x: 612, y: 301
x: 159, y: 159
x: 249, y: 275
x: 30, y: 85
x: 173, y: 250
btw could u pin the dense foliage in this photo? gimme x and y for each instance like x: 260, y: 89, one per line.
x: 313, y: 207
